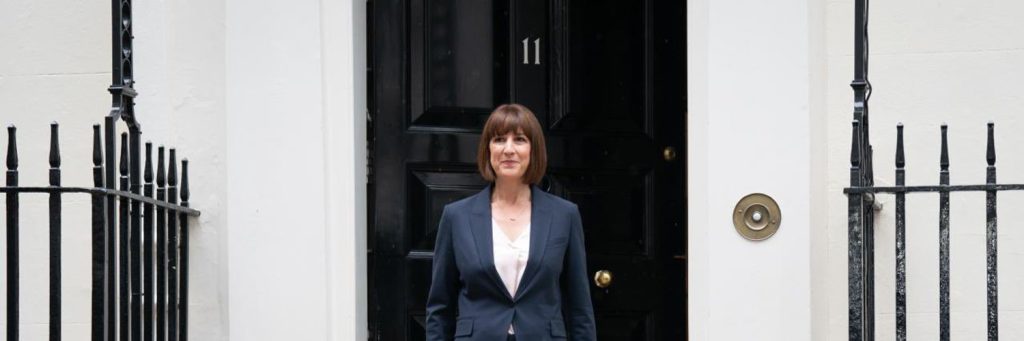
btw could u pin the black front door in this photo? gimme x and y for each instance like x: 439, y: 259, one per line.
x: 607, y: 81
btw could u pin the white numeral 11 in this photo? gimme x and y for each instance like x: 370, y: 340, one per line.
x: 536, y: 51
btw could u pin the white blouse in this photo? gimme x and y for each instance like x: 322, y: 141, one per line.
x: 510, y: 257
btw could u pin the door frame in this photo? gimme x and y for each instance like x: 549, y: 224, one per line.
x: 363, y: 88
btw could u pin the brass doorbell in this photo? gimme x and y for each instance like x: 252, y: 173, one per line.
x: 756, y: 216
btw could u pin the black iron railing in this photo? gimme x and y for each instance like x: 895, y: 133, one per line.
x: 862, y: 194
x: 130, y: 280
x: 861, y: 216
x: 138, y: 293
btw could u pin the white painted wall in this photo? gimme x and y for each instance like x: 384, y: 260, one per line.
x: 754, y: 119
x: 56, y: 67
x: 344, y: 84
x: 276, y: 249
x: 932, y: 61
x: 180, y: 68
x: 296, y: 131
x: 266, y: 99
x: 52, y: 69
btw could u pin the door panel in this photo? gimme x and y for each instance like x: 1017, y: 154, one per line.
x: 607, y: 81
x: 614, y: 166
x: 458, y: 59
x: 429, y: 191
x: 530, y: 27
x: 614, y: 207
x: 606, y: 64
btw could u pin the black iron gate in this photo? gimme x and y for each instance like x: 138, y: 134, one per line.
x: 861, y: 195
x: 138, y: 293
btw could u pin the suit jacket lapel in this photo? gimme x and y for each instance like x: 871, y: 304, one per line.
x: 540, y: 221
x: 481, y: 228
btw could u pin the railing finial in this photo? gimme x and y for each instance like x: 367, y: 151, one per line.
x: 172, y: 169
x: 97, y: 150
x: 184, y: 182
x: 54, y: 146
x: 944, y: 156
x: 148, y: 173
x: 160, y: 178
x: 900, y: 159
x: 12, y: 147
x: 990, y: 150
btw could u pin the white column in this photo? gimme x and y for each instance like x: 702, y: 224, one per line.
x: 344, y: 66
x: 277, y: 184
x: 755, y: 100
x: 296, y: 104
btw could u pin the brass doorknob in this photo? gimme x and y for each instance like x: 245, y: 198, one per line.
x: 669, y: 153
x: 603, y: 279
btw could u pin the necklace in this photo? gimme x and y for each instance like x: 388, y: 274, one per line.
x: 521, y: 211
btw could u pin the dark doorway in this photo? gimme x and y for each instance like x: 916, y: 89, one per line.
x: 607, y: 79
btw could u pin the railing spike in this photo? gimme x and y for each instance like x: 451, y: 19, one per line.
x: 54, y: 146
x: 55, y: 236
x: 97, y: 150
x: 944, y: 156
x: 184, y: 181
x: 900, y: 159
x: 148, y: 173
x: 12, y: 245
x: 172, y: 169
x: 12, y: 147
x: 161, y: 253
x: 124, y: 154
x: 990, y: 153
x: 160, y: 178
x: 174, y: 244
x: 855, y: 148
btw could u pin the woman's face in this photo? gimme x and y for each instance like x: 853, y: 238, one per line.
x: 510, y: 155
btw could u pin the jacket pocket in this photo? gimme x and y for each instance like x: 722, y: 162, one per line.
x: 464, y: 328
x: 557, y: 329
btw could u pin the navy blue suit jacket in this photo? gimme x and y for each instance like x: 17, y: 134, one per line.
x: 467, y: 299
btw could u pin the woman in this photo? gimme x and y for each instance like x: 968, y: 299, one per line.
x: 509, y: 261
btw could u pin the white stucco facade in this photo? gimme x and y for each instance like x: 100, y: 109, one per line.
x: 296, y: 117
x: 932, y: 62
x: 268, y: 101
x: 754, y: 124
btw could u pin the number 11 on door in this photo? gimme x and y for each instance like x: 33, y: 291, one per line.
x: 536, y: 51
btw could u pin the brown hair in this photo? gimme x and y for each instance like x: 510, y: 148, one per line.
x: 512, y: 118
